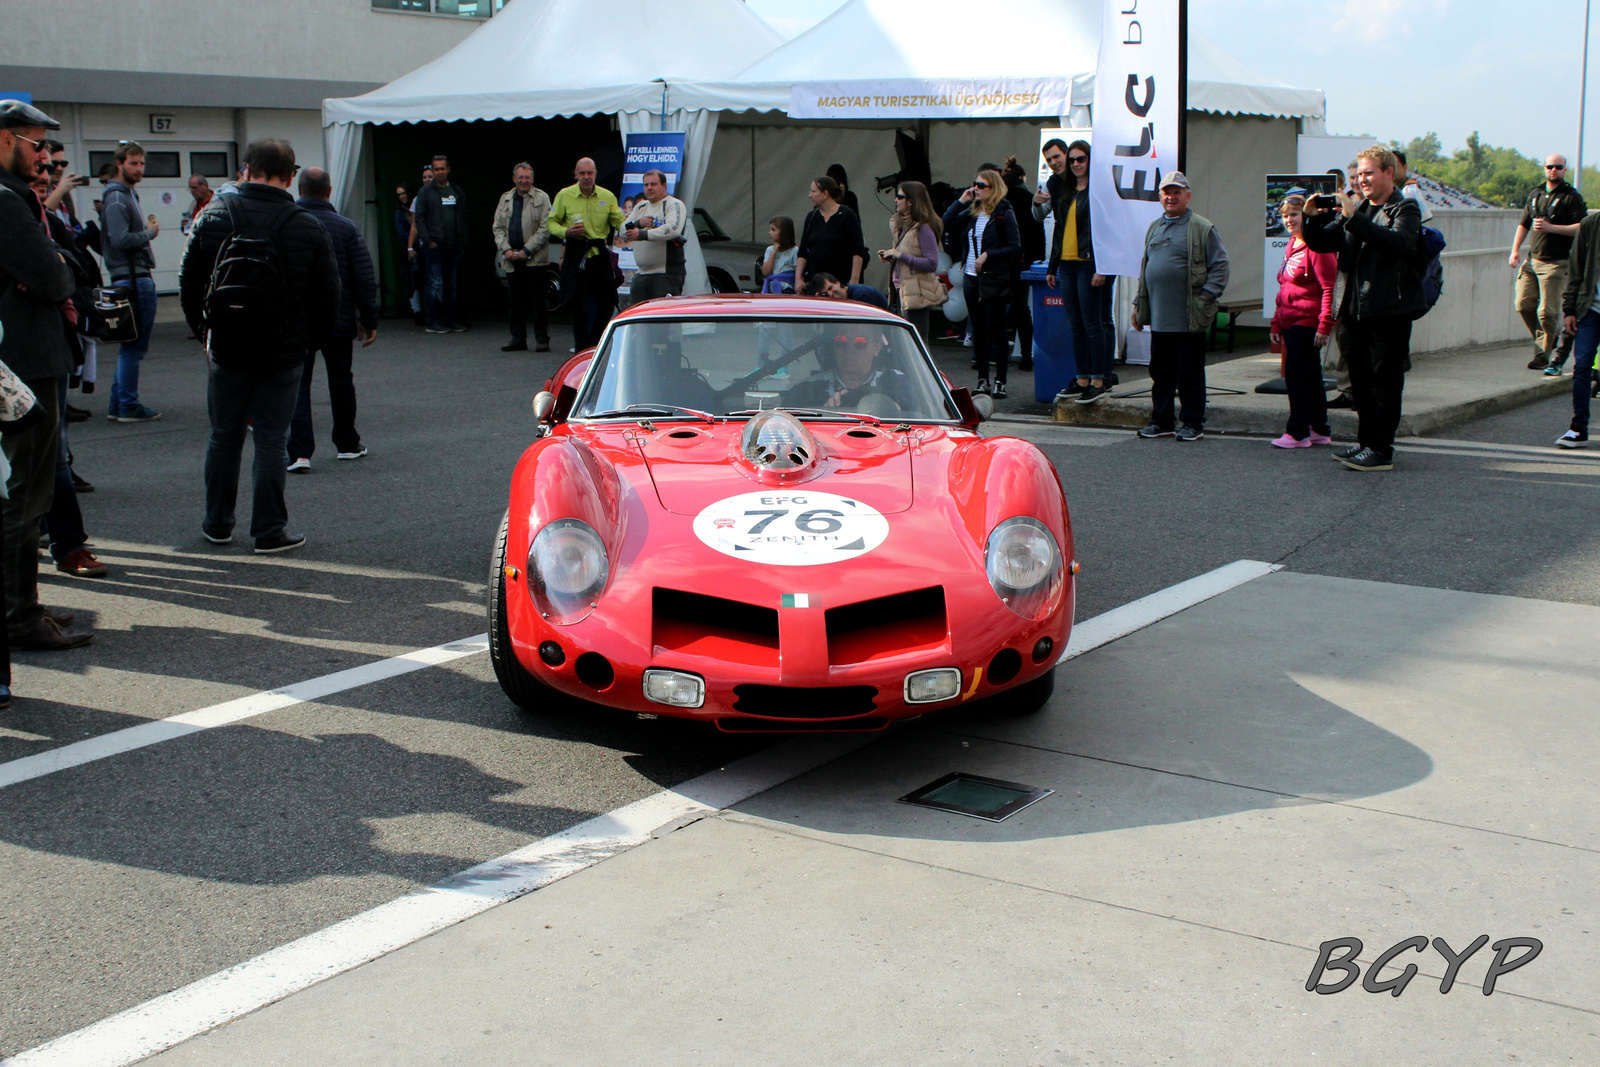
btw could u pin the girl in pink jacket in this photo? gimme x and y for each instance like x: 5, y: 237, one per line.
x: 1301, y: 325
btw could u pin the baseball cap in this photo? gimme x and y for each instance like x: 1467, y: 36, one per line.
x: 14, y: 114
x: 1175, y: 178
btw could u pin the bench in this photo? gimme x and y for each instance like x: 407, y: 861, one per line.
x: 1232, y: 309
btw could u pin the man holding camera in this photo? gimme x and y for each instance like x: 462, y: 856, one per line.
x: 1553, y: 213
x: 1376, y: 298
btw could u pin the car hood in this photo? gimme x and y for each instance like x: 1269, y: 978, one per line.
x: 692, y: 466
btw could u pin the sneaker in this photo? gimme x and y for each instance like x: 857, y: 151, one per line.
x: 282, y: 543
x: 998, y: 390
x: 1553, y: 370
x: 81, y: 484
x: 225, y: 539
x: 1091, y: 394
x: 1539, y: 362
x: 981, y: 387
x: 459, y: 329
x: 1573, y: 439
x: 138, y: 413
x: 357, y: 454
x: 80, y: 563
x: 1153, y: 430
x: 1287, y: 441
x: 1190, y: 433
x: 5, y: 696
x: 515, y: 346
x: 542, y: 346
x: 111, y: 416
x: 1073, y: 388
x: 436, y: 329
x: 1319, y: 438
x: 77, y: 414
x: 1342, y: 401
x: 1345, y: 453
x: 1368, y: 460
x: 300, y: 465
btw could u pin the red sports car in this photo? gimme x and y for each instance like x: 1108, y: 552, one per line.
x: 772, y: 513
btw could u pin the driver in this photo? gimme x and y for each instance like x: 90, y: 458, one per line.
x: 852, y: 371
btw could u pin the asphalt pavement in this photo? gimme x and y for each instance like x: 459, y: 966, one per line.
x: 133, y: 875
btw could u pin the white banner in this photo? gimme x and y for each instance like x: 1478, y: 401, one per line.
x: 1135, y: 128
x: 919, y: 98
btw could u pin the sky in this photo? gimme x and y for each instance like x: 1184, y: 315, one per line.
x: 1506, y: 68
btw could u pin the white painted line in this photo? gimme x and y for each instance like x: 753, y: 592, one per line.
x: 1120, y: 622
x: 232, y: 711
x: 173, y: 1018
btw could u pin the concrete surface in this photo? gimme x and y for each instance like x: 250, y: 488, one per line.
x: 1442, y: 390
x: 1302, y: 759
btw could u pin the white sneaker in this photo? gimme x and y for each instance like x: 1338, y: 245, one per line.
x: 354, y: 455
x: 301, y: 464
x: 1573, y: 439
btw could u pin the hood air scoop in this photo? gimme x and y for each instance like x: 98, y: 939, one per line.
x: 777, y: 441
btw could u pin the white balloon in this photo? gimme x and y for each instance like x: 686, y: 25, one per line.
x: 955, y: 307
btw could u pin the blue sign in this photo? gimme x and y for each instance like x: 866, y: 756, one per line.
x: 650, y: 151
x: 26, y: 98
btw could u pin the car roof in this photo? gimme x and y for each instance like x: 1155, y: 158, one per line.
x: 759, y: 305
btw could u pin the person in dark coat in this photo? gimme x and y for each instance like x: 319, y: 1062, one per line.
x: 1031, y: 230
x: 980, y: 233
x: 34, y: 283
x: 830, y: 239
x: 257, y: 388
x: 358, y: 317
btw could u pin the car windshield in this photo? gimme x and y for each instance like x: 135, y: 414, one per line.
x: 737, y: 366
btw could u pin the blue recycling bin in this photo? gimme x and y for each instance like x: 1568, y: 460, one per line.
x: 1054, y: 365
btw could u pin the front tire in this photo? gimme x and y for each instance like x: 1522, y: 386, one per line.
x: 1029, y: 697
x: 525, y: 691
x: 721, y: 281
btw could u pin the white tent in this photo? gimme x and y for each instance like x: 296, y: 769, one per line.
x: 554, y: 58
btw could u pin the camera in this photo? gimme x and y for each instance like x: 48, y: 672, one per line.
x: 1326, y: 202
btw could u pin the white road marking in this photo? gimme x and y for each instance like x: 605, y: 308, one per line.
x: 232, y: 711
x: 193, y: 1009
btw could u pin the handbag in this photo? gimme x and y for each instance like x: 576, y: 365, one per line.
x: 993, y: 285
x: 114, y: 306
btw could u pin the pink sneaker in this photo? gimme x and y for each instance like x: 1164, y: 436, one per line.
x: 1289, y: 442
x: 1319, y: 438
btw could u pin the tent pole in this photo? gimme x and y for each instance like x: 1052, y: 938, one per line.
x: 1183, y: 85
x: 663, y: 106
x: 1583, y: 99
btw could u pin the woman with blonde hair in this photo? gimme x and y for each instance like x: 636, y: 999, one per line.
x: 915, y: 230
x: 980, y: 233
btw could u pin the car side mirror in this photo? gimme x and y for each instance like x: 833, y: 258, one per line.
x: 984, y: 404
x: 544, y: 402
x: 973, y: 409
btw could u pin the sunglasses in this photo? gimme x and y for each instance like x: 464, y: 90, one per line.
x: 842, y: 339
x: 980, y: 185
x: 1555, y: 166
x: 1077, y: 159
x: 901, y: 196
x: 38, y: 146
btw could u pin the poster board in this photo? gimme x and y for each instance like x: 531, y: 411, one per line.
x: 1276, y: 237
x: 656, y: 150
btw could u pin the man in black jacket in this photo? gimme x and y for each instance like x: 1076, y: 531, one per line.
x: 441, y: 213
x: 1377, y: 296
x: 257, y: 388
x: 34, y: 281
x: 358, y: 297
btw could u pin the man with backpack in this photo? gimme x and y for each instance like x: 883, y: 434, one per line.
x: 1552, y: 215
x: 259, y: 282
x: 1376, y: 298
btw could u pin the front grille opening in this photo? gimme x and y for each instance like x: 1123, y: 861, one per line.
x: 1005, y: 666
x: 699, y: 625
x: 865, y: 724
x: 791, y: 702
x: 594, y: 671
x: 886, y: 626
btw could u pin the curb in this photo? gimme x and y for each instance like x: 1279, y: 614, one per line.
x: 1221, y: 417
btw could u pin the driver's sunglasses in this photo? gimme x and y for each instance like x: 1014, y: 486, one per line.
x: 1077, y: 159
x: 841, y: 339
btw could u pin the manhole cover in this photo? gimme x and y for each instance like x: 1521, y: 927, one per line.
x: 981, y: 798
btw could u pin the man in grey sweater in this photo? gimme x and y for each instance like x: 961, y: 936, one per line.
x: 653, y: 224
x: 1184, y: 272
x: 126, y: 237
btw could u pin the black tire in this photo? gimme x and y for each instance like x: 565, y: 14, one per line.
x: 721, y: 280
x: 552, y: 290
x: 525, y: 691
x: 1029, y: 697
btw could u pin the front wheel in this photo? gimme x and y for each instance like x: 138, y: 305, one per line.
x: 721, y: 281
x: 1029, y: 697
x: 525, y: 691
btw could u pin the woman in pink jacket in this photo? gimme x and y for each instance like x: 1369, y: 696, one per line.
x: 1301, y: 325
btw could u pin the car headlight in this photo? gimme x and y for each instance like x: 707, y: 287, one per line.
x: 1024, y: 567
x: 568, y: 564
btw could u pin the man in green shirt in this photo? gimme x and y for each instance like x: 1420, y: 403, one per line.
x: 585, y: 217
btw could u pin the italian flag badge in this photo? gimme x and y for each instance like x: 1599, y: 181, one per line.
x: 796, y: 600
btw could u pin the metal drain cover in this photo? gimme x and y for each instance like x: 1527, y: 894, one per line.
x: 989, y: 799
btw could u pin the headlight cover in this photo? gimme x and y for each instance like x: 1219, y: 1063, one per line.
x: 1024, y: 567
x: 568, y: 565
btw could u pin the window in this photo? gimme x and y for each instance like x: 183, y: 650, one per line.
x: 209, y: 164
x: 100, y: 159
x: 163, y: 164
x: 470, y: 9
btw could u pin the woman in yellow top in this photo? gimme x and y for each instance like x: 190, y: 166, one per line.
x: 1085, y: 294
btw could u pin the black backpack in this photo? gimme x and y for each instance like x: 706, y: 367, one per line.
x: 244, y: 302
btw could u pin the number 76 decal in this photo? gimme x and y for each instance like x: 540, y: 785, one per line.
x: 816, y: 528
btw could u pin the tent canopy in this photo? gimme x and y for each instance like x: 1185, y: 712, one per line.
x: 551, y: 58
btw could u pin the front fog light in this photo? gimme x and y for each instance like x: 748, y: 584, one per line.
x: 926, y: 687
x: 674, y: 688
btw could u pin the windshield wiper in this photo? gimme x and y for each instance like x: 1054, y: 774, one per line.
x: 658, y: 410
x: 826, y: 413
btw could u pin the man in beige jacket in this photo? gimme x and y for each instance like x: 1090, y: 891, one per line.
x: 523, y: 245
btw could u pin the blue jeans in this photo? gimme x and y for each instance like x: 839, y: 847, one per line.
x: 1583, y: 368
x: 439, y: 292
x: 125, y: 386
x: 1088, y: 310
x: 265, y: 404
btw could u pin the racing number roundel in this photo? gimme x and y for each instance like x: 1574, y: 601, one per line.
x: 791, y: 528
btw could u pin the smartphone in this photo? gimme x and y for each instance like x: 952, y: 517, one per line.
x: 1326, y: 201
x: 82, y: 179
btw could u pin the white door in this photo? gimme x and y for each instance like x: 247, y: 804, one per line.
x: 164, y: 192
